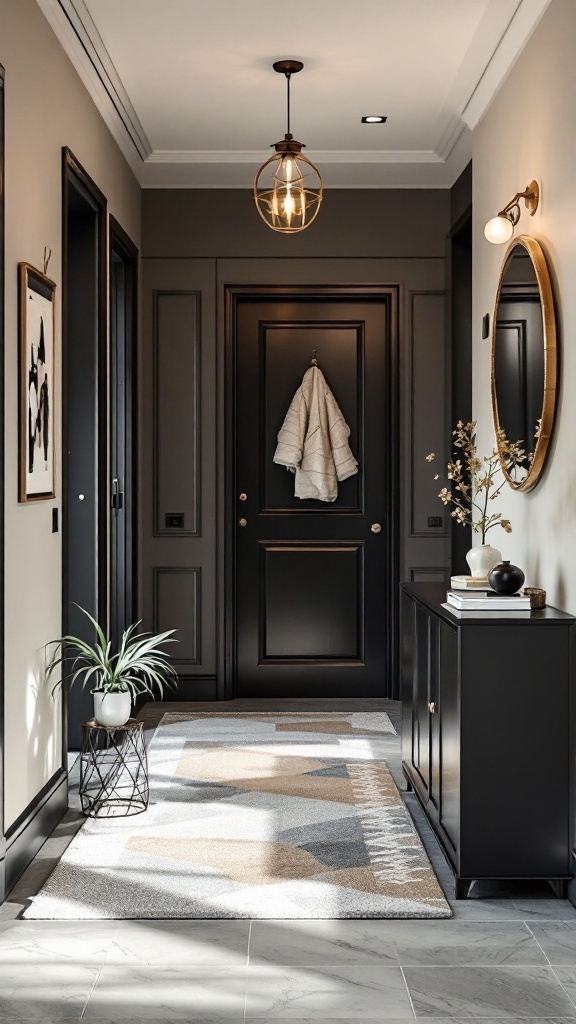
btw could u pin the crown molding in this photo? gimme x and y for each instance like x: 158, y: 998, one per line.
x: 513, y: 41
x: 74, y: 28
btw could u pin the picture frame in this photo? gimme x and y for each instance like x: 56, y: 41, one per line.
x: 36, y: 328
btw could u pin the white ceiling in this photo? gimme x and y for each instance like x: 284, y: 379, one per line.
x: 188, y: 89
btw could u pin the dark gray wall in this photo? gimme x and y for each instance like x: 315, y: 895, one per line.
x: 195, y: 243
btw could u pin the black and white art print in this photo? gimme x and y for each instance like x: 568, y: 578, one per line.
x: 36, y: 384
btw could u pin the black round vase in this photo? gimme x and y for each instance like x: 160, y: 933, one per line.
x: 505, y: 578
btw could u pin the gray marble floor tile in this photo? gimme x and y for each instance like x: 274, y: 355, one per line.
x: 162, y: 993
x: 485, y: 910
x: 545, y: 909
x: 567, y: 978
x: 557, y: 939
x: 180, y: 943
x: 55, y: 941
x: 36, y: 991
x: 450, y: 943
x: 316, y: 943
x: 487, y: 992
x: 338, y: 992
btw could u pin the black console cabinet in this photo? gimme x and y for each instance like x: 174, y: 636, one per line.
x: 486, y: 735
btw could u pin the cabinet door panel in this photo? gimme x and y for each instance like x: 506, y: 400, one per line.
x: 434, y: 708
x: 449, y: 753
x: 421, y: 748
x: 407, y: 665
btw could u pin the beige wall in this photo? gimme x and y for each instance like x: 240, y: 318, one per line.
x: 47, y: 107
x: 529, y: 133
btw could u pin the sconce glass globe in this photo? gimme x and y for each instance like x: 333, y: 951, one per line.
x: 499, y: 230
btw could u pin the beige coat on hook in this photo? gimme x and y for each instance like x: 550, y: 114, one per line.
x: 313, y: 440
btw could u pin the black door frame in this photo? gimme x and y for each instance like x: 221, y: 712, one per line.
x: 2, y: 318
x: 234, y: 295
x: 120, y: 244
x: 74, y: 176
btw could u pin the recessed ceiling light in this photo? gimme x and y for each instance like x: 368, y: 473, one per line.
x: 374, y: 119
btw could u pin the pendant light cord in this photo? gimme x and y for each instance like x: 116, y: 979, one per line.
x: 288, y: 102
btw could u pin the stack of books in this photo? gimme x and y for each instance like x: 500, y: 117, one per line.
x: 469, y: 583
x: 486, y: 601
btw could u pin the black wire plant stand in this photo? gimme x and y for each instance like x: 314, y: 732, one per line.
x: 113, y: 770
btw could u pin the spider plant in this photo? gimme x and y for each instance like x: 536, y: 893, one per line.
x: 139, y: 666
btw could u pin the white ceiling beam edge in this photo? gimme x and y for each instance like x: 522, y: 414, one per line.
x: 74, y: 28
x: 521, y: 27
x: 338, y: 156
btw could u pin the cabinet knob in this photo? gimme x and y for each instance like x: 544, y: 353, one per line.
x: 242, y: 522
x: 243, y: 496
x: 376, y: 528
x: 432, y: 707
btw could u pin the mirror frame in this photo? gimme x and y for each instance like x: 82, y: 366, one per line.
x: 538, y: 259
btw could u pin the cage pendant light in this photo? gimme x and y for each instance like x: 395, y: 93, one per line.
x: 288, y: 187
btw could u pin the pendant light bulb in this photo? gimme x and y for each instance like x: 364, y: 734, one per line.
x: 288, y: 187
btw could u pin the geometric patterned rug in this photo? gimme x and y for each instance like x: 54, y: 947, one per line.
x: 254, y: 815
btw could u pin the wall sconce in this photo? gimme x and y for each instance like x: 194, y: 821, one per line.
x: 501, y: 228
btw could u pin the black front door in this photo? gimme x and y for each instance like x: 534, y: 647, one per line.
x: 315, y: 581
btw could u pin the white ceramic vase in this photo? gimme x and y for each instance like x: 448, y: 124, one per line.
x: 481, y: 559
x: 112, y: 709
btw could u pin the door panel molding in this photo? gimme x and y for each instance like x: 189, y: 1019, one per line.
x: 316, y: 589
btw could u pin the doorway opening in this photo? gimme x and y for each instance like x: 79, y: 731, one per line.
x: 123, y: 271
x: 84, y: 427
x: 460, y: 349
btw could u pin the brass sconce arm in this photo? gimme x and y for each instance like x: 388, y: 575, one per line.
x: 501, y: 227
x: 531, y: 197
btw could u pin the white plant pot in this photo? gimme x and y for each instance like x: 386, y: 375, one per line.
x: 112, y: 709
x: 481, y: 559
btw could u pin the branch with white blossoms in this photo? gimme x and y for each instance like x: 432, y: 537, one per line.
x: 474, y: 480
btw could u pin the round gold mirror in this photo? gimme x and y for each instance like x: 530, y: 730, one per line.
x: 524, y: 360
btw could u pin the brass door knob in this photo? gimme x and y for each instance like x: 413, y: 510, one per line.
x: 242, y: 497
x: 432, y: 707
x: 242, y: 522
x: 376, y: 528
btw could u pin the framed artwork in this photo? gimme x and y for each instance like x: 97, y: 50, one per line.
x: 36, y: 383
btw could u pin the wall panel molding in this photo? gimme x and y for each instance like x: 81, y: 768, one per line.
x: 177, y: 482
x: 177, y: 604
x: 427, y: 397
x: 429, y: 573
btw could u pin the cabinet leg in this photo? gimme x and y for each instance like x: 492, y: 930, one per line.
x: 560, y: 887
x: 461, y: 888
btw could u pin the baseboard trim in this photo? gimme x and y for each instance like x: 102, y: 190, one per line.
x: 31, y: 829
x: 189, y: 688
x: 194, y: 688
